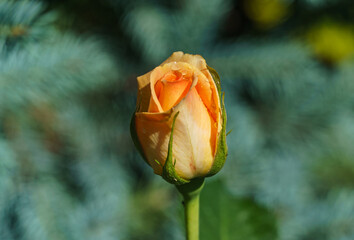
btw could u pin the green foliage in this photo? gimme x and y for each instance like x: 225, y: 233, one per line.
x: 23, y: 22
x: 47, y: 150
x: 30, y: 68
x: 227, y: 217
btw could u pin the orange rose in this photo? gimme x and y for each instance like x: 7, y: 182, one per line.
x: 180, y: 96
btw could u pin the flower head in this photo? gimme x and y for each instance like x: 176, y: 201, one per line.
x: 180, y: 120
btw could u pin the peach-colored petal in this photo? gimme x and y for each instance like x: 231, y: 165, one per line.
x: 144, y: 93
x: 194, y: 60
x: 173, y: 92
x: 206, y: 86
x: 209, y: 95
x: 212, y: 103
x: 191, y: 139
x: 156, y: 75
x: 173, y: 76
x: 153, y: 131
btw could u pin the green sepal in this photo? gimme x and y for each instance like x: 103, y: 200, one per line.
x: 221, y: 151
x: 169, y: 172
x: 135, y: 138
x: 216, y: 79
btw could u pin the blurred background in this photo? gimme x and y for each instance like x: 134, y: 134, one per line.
x: 68, y: 167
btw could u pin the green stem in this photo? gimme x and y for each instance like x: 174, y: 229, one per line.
x: 191, y: 192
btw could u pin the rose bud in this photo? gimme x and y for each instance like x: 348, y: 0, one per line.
x: 180, y: 119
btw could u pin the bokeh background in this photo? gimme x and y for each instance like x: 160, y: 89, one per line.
x: 68, y: 167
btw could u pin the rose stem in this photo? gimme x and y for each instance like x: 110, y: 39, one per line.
x: 191, y: 192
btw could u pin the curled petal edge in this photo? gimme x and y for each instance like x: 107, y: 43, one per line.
x: 136, y: 139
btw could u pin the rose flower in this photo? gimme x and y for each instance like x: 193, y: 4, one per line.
x: 181, y: 96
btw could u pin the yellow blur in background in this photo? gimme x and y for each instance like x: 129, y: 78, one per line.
x: 267, y: 14
x: 331, y: 41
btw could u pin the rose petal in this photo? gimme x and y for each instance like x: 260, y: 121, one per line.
x: 194, y: 60
x: 192, y: 135
x: 153, y: 131
x: 206, y: 86
x: 173, y: 92
x: 144, y: 93
x: 175, y: 85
